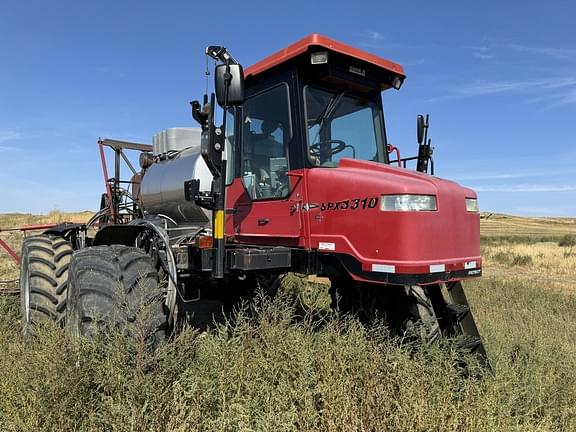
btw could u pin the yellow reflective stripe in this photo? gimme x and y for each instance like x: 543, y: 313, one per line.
x: 219, y: 225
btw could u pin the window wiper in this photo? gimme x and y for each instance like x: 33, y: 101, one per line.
x: 328, y: 112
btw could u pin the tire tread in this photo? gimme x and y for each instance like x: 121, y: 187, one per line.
x: 48, y: 259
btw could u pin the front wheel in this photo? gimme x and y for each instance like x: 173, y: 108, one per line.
x: 116, y: 287
x: 434, y: 311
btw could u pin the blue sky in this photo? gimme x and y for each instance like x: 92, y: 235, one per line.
x: 498, y: 79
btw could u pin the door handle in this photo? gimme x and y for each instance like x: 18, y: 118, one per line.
x: 263, y: 221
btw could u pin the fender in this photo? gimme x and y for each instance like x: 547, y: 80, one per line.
x: 64, y: 229
x: 118, y: 234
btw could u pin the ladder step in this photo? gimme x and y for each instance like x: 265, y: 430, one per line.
x: 458, y: 311
x: 470, y: 343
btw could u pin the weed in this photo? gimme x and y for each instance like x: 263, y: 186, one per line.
x: 569, y: 240
x: 521, y: 260
x: 510, y: 258
x: 276, y: 367
x: 269, y: 369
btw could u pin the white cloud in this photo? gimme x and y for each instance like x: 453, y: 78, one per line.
x: 559, y: 53
x: 9, y: 135
x: 483, y: 56
x: 480, y: 88
x: 525, y: 188
x: 375, y: 36
x: 557, y: 90
x: 495, y: 46
x: 542, y: 211
x: 515, y: 175
x: 552, y: 91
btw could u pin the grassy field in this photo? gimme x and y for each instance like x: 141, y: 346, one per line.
x: 8, y: 271
x: 494, y: 224
x: 274, y: 369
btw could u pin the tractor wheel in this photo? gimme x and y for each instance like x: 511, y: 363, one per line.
x: 369, y: 301
x: 421, y: 315
x: 433, y: 311
x: 43, y: 279
x: 444, y: 312
x: 116, y: 286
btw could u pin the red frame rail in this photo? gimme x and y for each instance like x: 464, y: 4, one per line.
x: 23, y: 228
x: 112, y: 184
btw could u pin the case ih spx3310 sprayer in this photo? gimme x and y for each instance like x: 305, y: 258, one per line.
x: 298, y: 177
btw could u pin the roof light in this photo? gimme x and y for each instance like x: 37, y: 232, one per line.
x: 320, y: 57
x: 397, y: 82
x: 408, y: 203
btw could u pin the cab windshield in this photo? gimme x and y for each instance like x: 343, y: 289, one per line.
x: 342, y: 124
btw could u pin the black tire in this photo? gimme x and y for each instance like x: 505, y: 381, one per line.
x: 406, y: 309
x: 43, y: 279
x: 421, y: 314
x: 413, y: 310
x: 116, y: 286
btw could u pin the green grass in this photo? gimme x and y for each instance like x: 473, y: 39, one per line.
x: 275, y: 368
x: 568, y: 240
x: 488, y: 240
x: 510, y: 258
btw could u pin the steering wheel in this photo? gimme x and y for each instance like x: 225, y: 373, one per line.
x: 315, y: 148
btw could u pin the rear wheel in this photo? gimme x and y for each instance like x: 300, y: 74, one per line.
x: 116, y: 286
x: 43, y: 279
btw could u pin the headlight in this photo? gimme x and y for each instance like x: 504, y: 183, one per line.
x: 408, y: 203
x: 472, y: 205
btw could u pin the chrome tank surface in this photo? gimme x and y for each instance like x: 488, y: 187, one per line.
x: 162, y: 187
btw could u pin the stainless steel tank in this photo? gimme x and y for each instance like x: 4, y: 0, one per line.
x: 162, y: 187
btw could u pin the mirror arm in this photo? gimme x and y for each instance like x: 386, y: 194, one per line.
x: 198, y: 114
x: 219, y: 181
x: 220, y: 53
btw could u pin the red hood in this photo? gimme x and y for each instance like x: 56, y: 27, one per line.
x: 360, y: 228
x: 405, y: 180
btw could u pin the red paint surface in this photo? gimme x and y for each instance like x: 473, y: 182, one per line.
x: 106, y: 182
x: 315, y: 39
x: 411, y: 241
x: 283, y: 217
x: 10, y: 251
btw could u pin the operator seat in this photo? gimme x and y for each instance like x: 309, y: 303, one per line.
x: 264, y: 148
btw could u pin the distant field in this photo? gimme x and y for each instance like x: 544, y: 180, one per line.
x: 8, y: 270
x: 494, y: 224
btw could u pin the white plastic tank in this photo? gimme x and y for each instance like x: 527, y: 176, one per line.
x: 175, y: 139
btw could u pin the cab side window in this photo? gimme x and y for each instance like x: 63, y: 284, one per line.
x: 266, y: 133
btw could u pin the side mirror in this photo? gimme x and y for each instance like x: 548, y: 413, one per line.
x: 235, y: 83
x: 420, y: 128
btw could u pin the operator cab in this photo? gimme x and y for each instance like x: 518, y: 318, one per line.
x: 309, y: 106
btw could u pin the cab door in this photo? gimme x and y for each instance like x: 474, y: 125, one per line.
x: 266, y: 199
